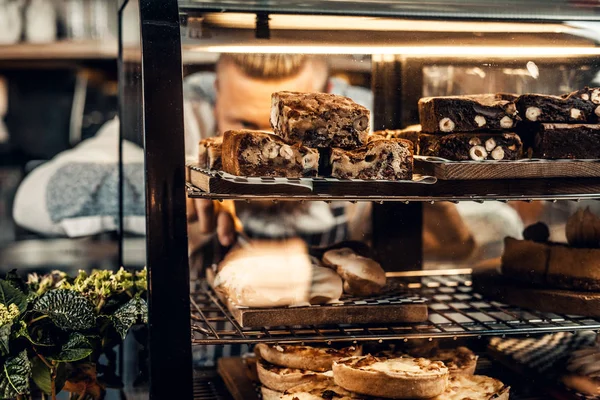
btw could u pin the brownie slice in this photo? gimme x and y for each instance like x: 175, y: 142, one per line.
x: 255, y: 153
x: 473, y: 146
x: 410, y: 133
x: 468, y: 113
x: 548, y: 108
x: 557, y: 141
x: 319, y: 119
x: 587, y: 93
x: 390, y: 159
x: 209, y: 152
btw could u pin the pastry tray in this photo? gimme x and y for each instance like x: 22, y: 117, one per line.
x: 505, y: 169
x: 543, y: 357
x: 396, y: 304
x: 212, y: 181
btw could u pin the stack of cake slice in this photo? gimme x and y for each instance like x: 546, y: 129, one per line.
x: 562, y: 127
x: 462, y: 128
x: 316, y: 133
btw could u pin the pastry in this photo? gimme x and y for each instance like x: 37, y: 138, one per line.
x: 281, y: 378
x: 394, y: 378
x: 587, y: 93
x: 319, y: 119
x: 459, y: 361
x: 556, y: 141
x: 310, y: 358
x: 473, y: 146
x: 209, y: 152
x: 584, y: 371
x: 474, y: 387
x: 547, y: 108
x: 287, y: 276
x: 255, y: 153
x: 378, y: 159
x: 574, y: 268
x: 322, y: 390
x: 467, y: 113
x: 362, y: 276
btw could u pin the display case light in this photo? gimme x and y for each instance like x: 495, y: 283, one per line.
x: 413, y: 51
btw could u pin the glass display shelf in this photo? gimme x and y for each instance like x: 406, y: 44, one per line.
x: 562, y: 10
x: 455, y: 311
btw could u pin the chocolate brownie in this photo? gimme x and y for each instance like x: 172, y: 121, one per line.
x: 468, y: 113
x: 473, y: 146
x: 548, y: 108
x: 209, y: 152
x: 587, y: 93
x: 558, y: 141
x: 390, y: 159
x: 319, y: 119
x: 255, y: 153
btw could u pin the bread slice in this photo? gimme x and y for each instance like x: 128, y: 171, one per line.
x: 459, y: 361
x: 282, y: 378
x: 394, y: 378
x: 255, y: 153
x: 474, y: 387
x: 317, y: 359
x: 362, y: 276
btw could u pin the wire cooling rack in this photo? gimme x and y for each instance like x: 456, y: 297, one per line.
x: 455, y: 310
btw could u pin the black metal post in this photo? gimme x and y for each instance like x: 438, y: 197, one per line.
x: 397, y: 227
x: 167, y: 258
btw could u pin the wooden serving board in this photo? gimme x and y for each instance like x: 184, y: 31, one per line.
x: 521, y: 169
x: 494, y: 285
x: 239, y: 378
x: 393, y: 306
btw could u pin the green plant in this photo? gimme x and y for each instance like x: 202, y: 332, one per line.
x: 54, y: 328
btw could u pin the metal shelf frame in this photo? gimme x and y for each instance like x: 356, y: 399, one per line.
x: 455, y: 311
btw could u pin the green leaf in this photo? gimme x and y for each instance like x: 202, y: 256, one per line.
x: 14, y: 379
x: 43, y: 341
x: 128, y: 314
x: 4, y: 338
x: 10, y: 294
x: 77, y: 348
x: 68, y: 310
x: 42, y: 376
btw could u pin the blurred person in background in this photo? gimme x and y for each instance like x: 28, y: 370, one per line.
x: 76, y: 193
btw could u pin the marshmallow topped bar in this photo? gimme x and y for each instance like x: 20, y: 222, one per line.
x: 379, y: 159
x: 255, y: 153
x: 481, y: 112
x: 319, y: 119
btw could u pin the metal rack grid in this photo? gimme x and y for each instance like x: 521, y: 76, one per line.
x: 208, y: 385
x: 454, y: 311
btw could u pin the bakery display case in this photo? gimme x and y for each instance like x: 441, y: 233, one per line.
x: 462, y: 111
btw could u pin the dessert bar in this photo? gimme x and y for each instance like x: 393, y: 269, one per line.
x: 410, y: 133
x: 319, y: 119
x: 548, y: 108
x: 380, y: 159
x: 472, y: 146
x: 209, y: 152
x: 587, y: 93
x: 254, y: 153
x: 573, y: 141
x: 468, y: 113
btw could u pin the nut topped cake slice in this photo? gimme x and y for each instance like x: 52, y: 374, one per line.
x: 319, y: 119
x: 468, y: 113
x: 548, y: 108
x: 587, y: 93
x: 379, y: 159
x: 395, y: 378
x: 255, y: 153
x: 473, y: 146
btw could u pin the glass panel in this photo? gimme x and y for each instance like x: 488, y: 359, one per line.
x: 489, y: 9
